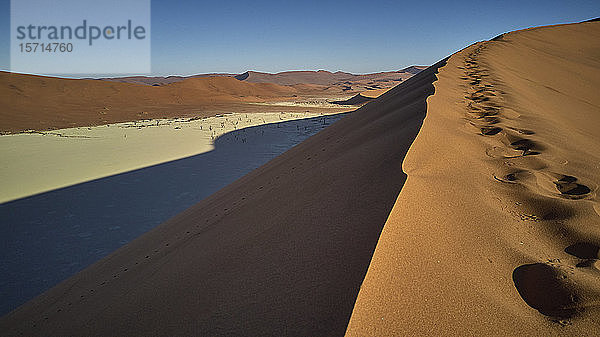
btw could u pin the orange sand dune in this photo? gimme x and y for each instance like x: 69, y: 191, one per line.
x: 42, y: 103
x: 338, y: 81
x: 282, y: 251
x: 343, y: 81
x: 45, y: 103
x: 160, y: 80
x: 497, y: 229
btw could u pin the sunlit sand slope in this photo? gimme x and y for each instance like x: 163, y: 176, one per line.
x: 497, y: 229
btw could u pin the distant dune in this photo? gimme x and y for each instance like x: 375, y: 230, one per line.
x: 43, y: 103
x: 157, y: 80
x: 340, y: 80
x: 462, y: 202
x: 320, y: 77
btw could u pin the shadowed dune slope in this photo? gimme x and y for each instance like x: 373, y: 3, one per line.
x: 282, y: 251
x: 497, y: 229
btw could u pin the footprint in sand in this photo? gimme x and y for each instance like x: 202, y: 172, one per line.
x: 510, y: 178
x: 522, y: 131
x: 489, y: 110
x: 545, y: 288
x: 569, y: 188
x: 490, y: 130
x: 588, y: 252
x: 525, y: 145
x: 584, y: 250
x: 507, y: 153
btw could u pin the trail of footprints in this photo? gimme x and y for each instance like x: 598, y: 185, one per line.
x: 543, y: 286
x: 485, y: 111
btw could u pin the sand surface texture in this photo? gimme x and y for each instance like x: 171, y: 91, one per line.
x: 497, y: 229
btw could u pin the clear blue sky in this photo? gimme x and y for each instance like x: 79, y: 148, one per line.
x: 190, y: 37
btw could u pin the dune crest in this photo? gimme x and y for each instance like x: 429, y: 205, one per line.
x: 496, y: 231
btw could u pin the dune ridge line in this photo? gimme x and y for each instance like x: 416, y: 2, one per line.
x: 496, y: 231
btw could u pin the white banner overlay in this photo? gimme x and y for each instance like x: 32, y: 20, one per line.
x: 80, y: 37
